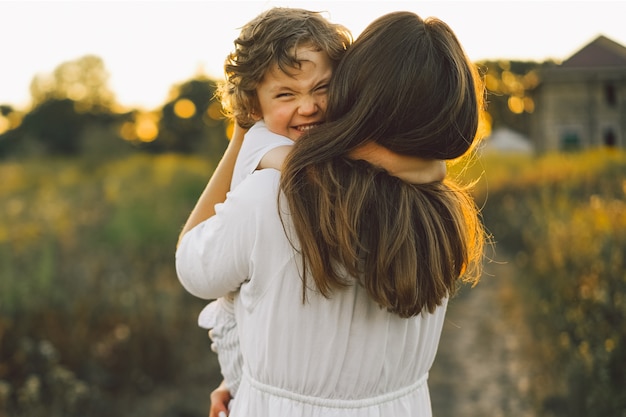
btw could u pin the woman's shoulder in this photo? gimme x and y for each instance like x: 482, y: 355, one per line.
x: 255, y: 201
x: 259, y: 187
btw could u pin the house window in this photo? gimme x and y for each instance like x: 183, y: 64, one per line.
x: 609, y: 138
x: 570, y: 141
x: 610, y: 95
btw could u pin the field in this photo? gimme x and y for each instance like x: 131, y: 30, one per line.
x: 94, y: 322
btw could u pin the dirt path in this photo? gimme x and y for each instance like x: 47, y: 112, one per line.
x: 478, y: 371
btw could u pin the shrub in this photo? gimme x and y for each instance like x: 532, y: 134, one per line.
x: 563, y: 218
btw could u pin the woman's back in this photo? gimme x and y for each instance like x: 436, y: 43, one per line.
x: 331, y: 352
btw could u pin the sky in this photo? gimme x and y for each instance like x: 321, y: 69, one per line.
x: 149, y: 46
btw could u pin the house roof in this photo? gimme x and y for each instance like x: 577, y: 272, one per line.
x: 601, y: 52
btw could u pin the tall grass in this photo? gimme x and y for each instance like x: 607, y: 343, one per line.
x: 563, y: 220
x: 88, y: 291
x: 91, y: 312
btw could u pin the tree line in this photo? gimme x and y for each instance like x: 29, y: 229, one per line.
x: 74, y: 112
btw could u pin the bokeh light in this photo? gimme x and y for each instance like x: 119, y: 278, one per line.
x: 146, y: 127
x: 184, y: 108
x: 4, y: 124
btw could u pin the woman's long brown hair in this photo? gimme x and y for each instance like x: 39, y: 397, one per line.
x: 407, y: 85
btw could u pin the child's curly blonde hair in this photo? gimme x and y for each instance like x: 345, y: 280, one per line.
x: 272, y: 39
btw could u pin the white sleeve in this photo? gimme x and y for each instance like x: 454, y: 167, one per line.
x: 257, y: 142
x: 220, y: 316
x: 214, y: 258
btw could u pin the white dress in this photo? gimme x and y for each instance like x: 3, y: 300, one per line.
x: 341, y: 357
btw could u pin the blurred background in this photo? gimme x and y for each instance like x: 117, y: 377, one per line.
x: 109, y: 132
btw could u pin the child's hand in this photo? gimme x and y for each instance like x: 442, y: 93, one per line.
x: 238, y: 133
x: 220, y: 397
x: 411, y: 169
x: 421, y: 171
x: 213, y: 345
x: 275, y: 158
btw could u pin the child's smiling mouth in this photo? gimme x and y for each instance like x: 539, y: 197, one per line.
x: 306, y: 127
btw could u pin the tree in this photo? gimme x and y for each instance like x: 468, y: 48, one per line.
x: 192, y: 121
x: 84, y: 81
x: 7, y: 139
x: 71, y: 113
x: 55, y: 125
x: 508, y: 85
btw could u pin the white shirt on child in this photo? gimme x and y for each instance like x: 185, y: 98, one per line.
x: 219, y: 315
x: 342, y: 357
x: 258, y: 141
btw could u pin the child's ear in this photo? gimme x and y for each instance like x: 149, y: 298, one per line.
x: 256, y: 114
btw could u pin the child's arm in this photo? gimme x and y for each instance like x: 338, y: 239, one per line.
x: 418, y: 170
x: 218, y: 186
x: 274, y: 158
x: 220, y: 397
x: 410, y: 169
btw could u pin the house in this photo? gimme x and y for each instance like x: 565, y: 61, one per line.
x: 505, y: 140
x: 581, y: 103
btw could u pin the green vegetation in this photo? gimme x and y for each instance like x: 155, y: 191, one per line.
x: 562, y: 219
x: 90, y: 307
x: 93, y: 197
x: 92, y: 315
x: 73, y: 111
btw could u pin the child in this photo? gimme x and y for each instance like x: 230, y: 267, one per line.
x: 277, y: 78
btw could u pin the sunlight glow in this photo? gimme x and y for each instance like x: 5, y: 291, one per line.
x: 213, y: 115
x: 492, y: 83
x: 184, y: 108
x: 4, y: 124
x: 609, y: 345
x: 77, y: 91
x: 511, y: 82
x: 127, y: 131
x: 230, y: 129
x: 15, y: 119
x: 531, y: 80
x: 137, y: 85
x: 146, y: 127
x: 215, y: 111
x: 485, y: 125
x: 516, y: 104
x: 529, y: 105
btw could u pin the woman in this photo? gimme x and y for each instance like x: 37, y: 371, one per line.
x: 342, y: 287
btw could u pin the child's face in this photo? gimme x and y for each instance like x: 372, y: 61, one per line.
x: 292, y: 104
